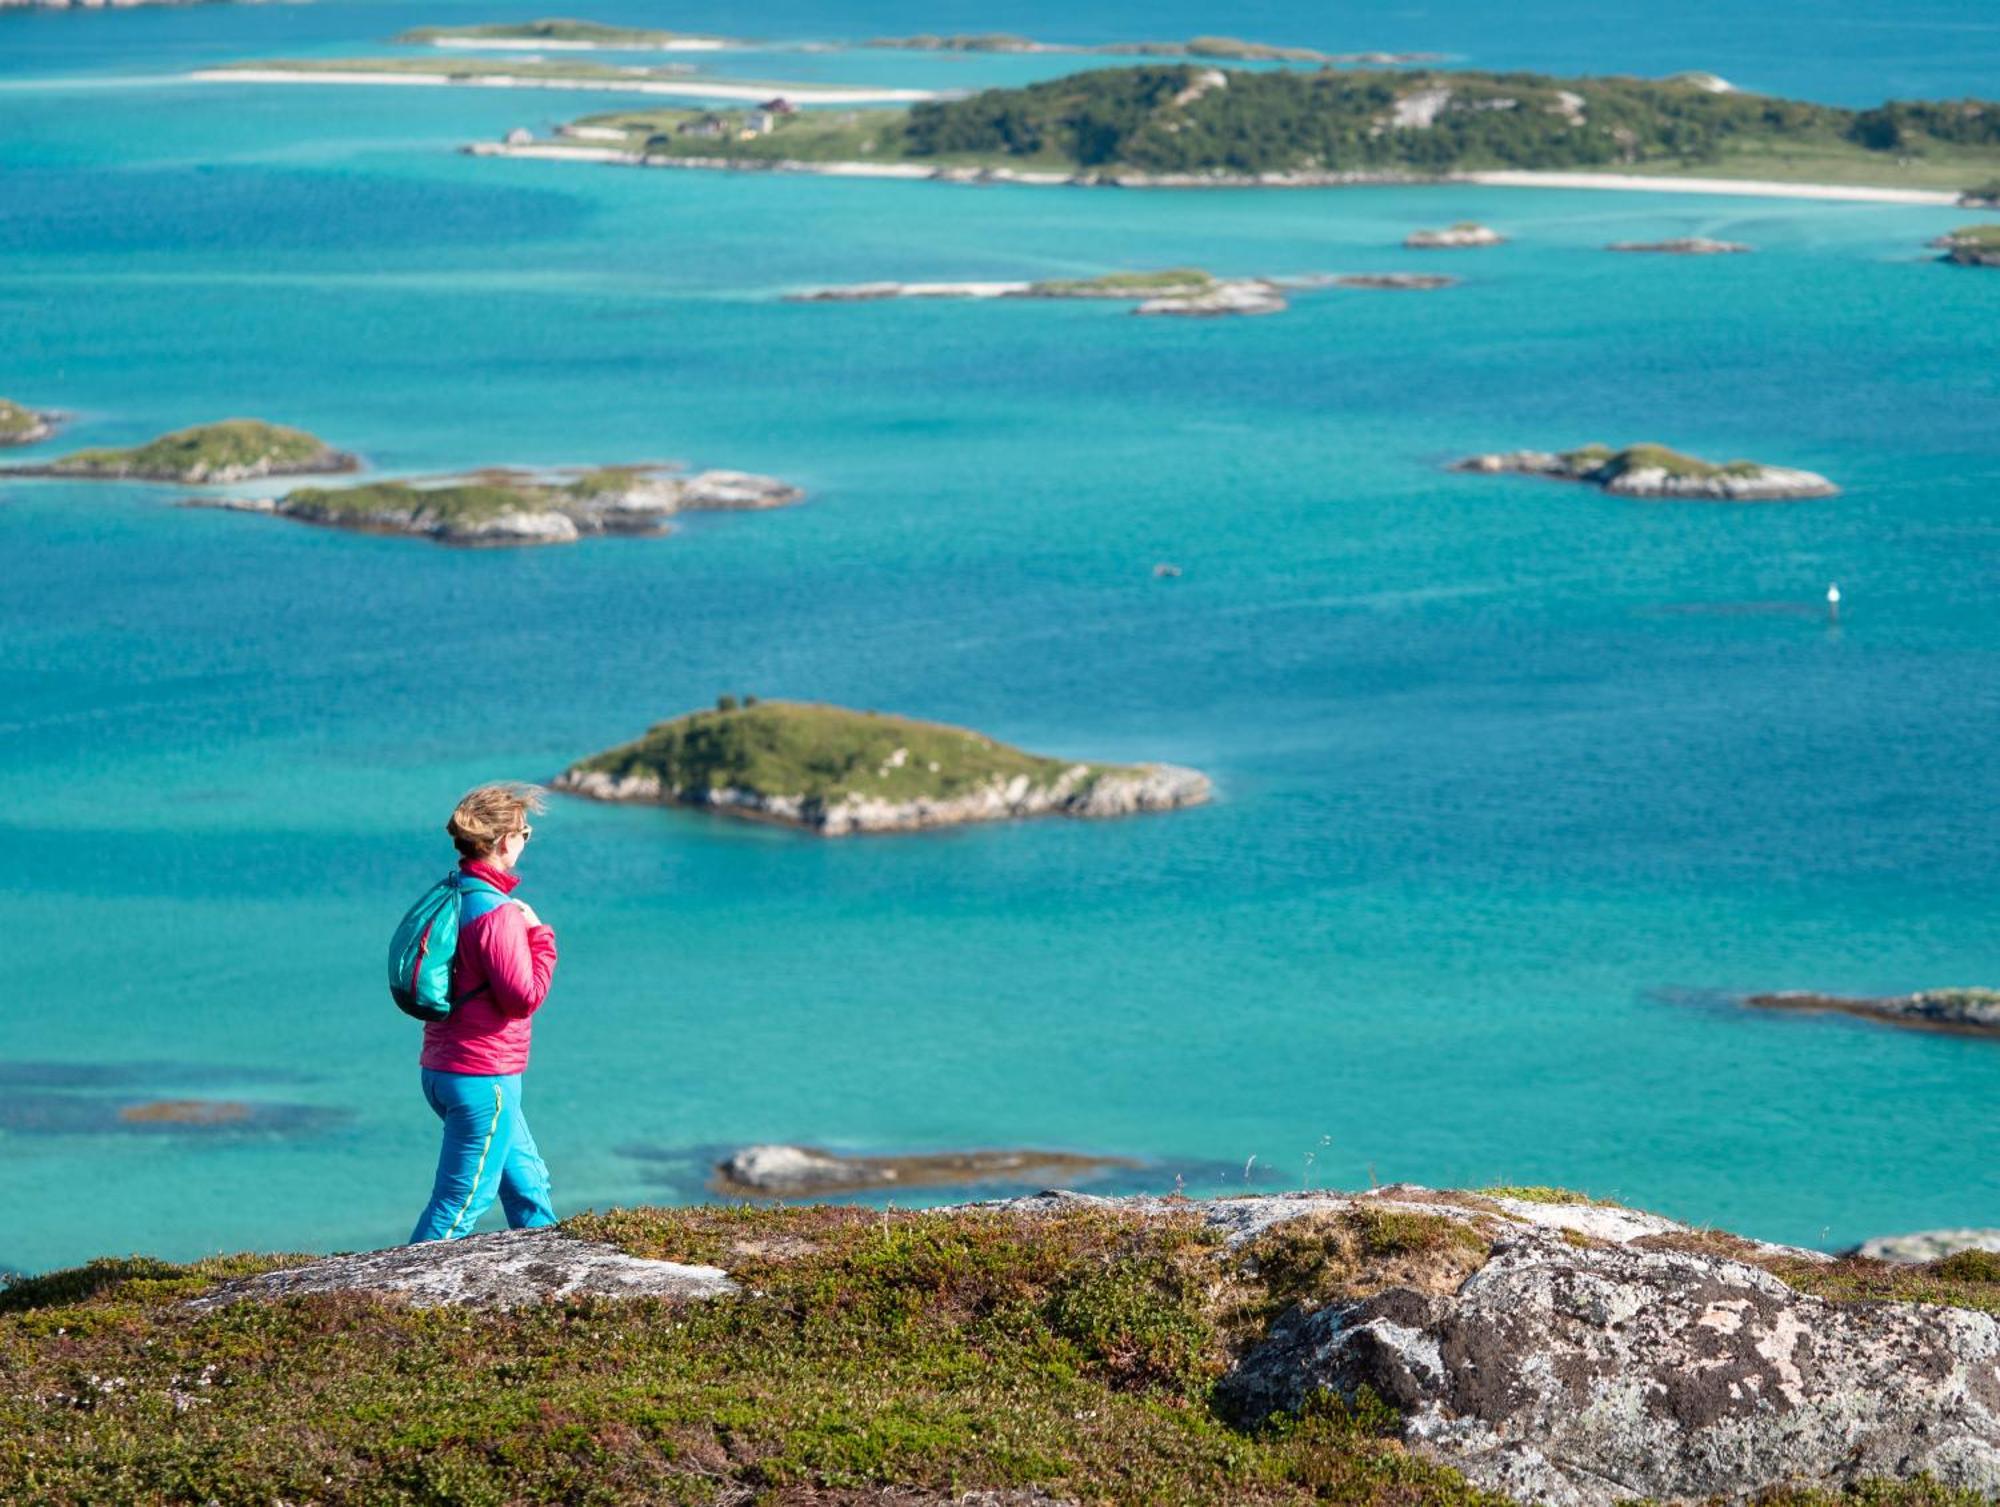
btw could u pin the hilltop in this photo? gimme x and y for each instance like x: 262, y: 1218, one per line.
x: 832, y: 771
x: 1402, y: 1347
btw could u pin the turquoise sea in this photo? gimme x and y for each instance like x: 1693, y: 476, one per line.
x: 1517, y: 782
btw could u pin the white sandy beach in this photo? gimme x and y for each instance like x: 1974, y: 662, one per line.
x: 1747, y: 187
x: 690, y: 89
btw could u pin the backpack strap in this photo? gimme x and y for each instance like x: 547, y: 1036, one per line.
x: 476, y: 898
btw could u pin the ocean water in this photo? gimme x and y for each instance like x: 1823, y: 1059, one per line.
x: 1517, y: 782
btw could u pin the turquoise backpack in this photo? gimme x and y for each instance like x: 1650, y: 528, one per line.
x: 423, y: 955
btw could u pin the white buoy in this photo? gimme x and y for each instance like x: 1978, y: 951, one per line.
x: 1833, y: 602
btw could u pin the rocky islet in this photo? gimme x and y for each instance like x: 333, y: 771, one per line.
x: 1655, y: 472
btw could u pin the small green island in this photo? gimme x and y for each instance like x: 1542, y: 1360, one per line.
x: 499, y: 506
x: 1654, y: 471
x: 21, y: 425
x: 833, y: 771
x: 1971, y: 246
x: 1201, y: 125
x: 208, y: 454
x: 561, y: 34
x: 534, y: 72
x: 1171, y: 291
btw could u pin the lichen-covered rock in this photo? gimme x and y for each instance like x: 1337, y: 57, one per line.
x: 1581, y: 1376
x: 500, y: 1270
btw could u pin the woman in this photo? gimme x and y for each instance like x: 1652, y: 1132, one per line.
x: 472, y: 1061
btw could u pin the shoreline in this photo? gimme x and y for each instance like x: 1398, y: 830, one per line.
x: 525, y: 44
x: 551, y: 151
x: 692, y: 89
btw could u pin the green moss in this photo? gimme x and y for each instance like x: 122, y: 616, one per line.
x: 605, y: 481
x: 1969, y: 1279
x: 1536, y: 1194
x: 942, y: 1352
x: 192, y: 454
x: 939, y: 1352
x: 821, y: 753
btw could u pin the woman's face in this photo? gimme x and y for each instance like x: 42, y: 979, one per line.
x: 509, y: 852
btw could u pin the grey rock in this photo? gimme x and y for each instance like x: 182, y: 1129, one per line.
x: 1966, y: 1011
x: 1148, y: 787
x: 1460, y: 237
x: 1583, y: 1376
x: 500, y: 1270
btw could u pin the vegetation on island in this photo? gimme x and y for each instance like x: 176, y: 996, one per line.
x: 1972, y: 245
x: 1170, y: 282
x: 446, y: 507
x: 821, y: 754
x: 19, y: 425
x: 500, y: 506
x: 232, y: 450
x: 1192, y: 120
x: 872, y: 1355
x: 590, y: 33
x: 1603, y: 462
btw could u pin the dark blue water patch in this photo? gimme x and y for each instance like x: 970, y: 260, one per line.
x: 687, y: 1170
x: 148, y: 1075
x: 252, y: 211
x: 40, y: 1113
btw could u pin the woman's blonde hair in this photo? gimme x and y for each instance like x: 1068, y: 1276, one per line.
x: 489, y: 813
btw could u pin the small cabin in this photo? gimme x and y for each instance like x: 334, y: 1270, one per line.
x: 779, y: 106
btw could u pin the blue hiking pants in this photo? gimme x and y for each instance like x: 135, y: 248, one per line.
x: 487, y: 1150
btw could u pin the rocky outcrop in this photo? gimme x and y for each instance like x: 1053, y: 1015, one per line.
x: 803, y: 1171
x: 1078, y: 791
x: 1397, y: 282
x: 1574, y: 1353
x: 21, y: 425
x: 1653, y: 471
x: 1247, y: 296
x: 1974, y: 1012
x: 501, y: 1270
x: 1462, y: 236
x: 1580, y: 1376
x: 1926, y: 1245
x: 503, y: 507
x: 1974, y: 246
x: 1686, y: 245
x: 1191, y: 292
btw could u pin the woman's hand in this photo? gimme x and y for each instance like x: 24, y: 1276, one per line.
x: 528, y: 913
